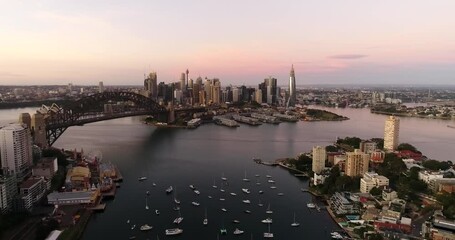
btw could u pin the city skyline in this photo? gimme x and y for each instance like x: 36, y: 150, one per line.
x: 389, y: 42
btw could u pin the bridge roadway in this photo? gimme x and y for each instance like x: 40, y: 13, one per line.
x: 91, y: 118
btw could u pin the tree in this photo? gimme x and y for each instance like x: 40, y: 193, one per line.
x: 376, y: 191
x: 331, y: 148
x: 375, y: 236
x: 406, y: 146
x: 392, y: 167
x: 351, y: 141
x: 436, y: 165
x: 379, y: 142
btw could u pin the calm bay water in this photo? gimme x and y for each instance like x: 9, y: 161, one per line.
x: 180, y: 157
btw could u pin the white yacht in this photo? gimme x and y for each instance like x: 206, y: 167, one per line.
x: 233, y: 194
x: 238, y: 231
x: 295, y: 224
x: 280, y: 194
x: 245, y: 179
x: 157, y: 212
x: 146, y: 227
x: 246, y: 190
x: 197, y: 192
x: 142, y: 178
x: 195, y: 203
x: 169, y: 190
x: 178, y: 220
x: 214, y: 184
x: 271, y: 181
x: 267, y: 220
x: 133, y: 227
x: 311, y: 205
x: 206, y: 221
x: 192, y: 187
x: 223, y: 178
x: 174, y: 231
x: 268, y: 210
x: 224, y: 209
x: 268, y: 234
x: 246, y: 201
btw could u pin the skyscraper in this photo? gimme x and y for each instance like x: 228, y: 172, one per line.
x: 151, y: 85
x: 183, y: 82
x: 319, y: 155
x: 16, y: 149
x: 391, y: 133
x: 357, y: 163
x: 292, y: 94
x: 101, y: 87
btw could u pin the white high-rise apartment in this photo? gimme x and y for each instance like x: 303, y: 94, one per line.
x: 319, y: 155
x: 356, y: 163
x: 16, y: 149
x: 391, y: 133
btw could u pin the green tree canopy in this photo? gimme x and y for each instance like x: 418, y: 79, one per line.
x: 436, y: 165
x: 406, y: 146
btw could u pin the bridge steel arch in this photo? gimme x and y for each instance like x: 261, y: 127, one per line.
x: 91, y: 109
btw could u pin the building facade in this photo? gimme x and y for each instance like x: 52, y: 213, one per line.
x: 371, y: 180
x: 356, y: 163
x: 391, y: 133
x: 16, y: 150
x: 292, y: 90
x: 319, y: 156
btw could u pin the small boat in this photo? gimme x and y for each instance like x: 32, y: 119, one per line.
x: 192, y: 187
x: 235, y: 221
x: 311, y: 205
x: 222, y: 190
x: 222, y: 199
x: 268, y: 234
x: 173, y: 231
x: 268, y: 176
x: 197, y: 192
x: 176, y: 208
x: 175, y: 197
x: 195, y: 203
x: 280, y: 194
x: 246, y: 190
x: 271, y: 181
x: 146, y: 227
x: 224, y: 209
x: 246, y: 201
x: 154, y: 184
x: 247, y: 211
x: 233, y: 194
x: 245, y: 179
x: 148, y: 193
x: 127, y: 221
x: 146, y: 204
x: 268, y: 211
x: 178, y: 220
x: 237, y: 231
x: 169, y: 190
x: 132, y: 237
x: 272, y: 187
x: 267, y: 220
x: 142, y: 178
x: 223, y: 231
x: 257, y: 175
x: 223, y: 178
x: 157, y: 212
x: 214, y: 184
x: 209, y: 196
x: 450, y: 126
x: 260, y: 204
x: 295, y: 224
x: 133, y: 227
x: 258, y: 183
x: 206, y: 221
x: 261, y: 192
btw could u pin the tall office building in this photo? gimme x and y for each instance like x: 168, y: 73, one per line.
x: 16, y: 150
x: 151, y: 85
x: 319, y: 156
x: 187, y: 79
x: 8, y: 190
x: 271, y: 90
x: 183, y: 82
x: 356, y: 163
x: 292, y: 93
x: 391, y: 133
x: 216, y: 91
x: 258, y: 96
x: 101, y: 87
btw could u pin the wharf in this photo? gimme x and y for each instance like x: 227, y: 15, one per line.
x: 259, y: 161
x: 109, y: 194
x: 98, y: 207
x: 302, y: 173
x: 119, y: 177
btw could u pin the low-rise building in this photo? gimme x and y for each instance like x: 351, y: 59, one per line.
x: 371, y: 180
x: 389, y: 194
x: 319, y: 178
x: 46, y: 167
x: 442, y: 185
x: 78, y: 178
x: 32, y: 190
x: 73, y: 198
x: 439, y: 228
x: 377, y: 156
x: 427, y: 176
x: 344, y: 203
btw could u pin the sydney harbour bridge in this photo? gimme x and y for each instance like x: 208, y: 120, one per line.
x: 50, y: 122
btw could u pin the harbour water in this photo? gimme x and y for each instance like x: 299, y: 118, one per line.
x: 181, y: 157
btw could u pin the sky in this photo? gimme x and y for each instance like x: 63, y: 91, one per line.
x: 238, y: 41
